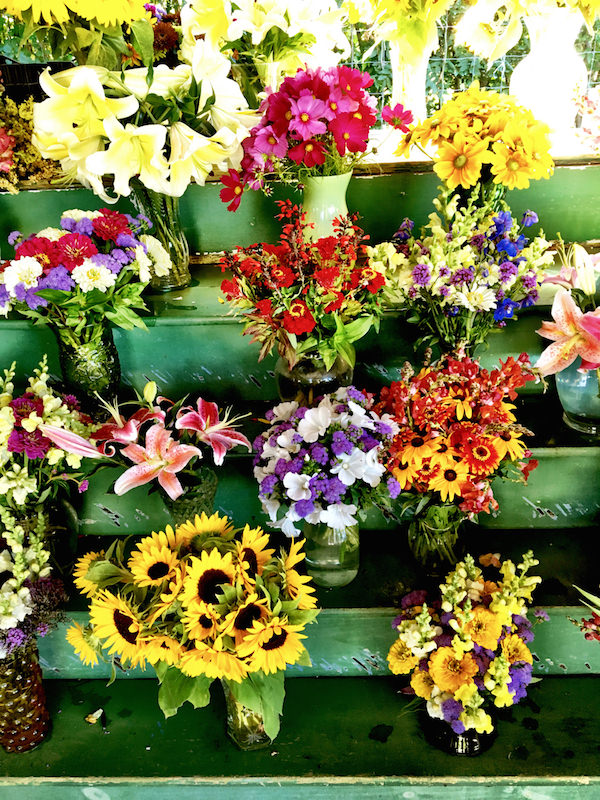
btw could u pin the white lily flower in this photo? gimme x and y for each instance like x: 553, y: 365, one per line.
x: 584, y: 266
x: 209, y: 18
x: 257, y: 17
x: 315, y: 423
x: 297, y: 486
x: 165, y: 81
x: 195, y: 156
x: 339, y: 515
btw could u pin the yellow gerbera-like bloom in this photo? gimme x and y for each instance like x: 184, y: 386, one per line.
x: 163, y: 648
x: 81, y: 569
x: 515, y: 649
x: 508, y: 442
x: 272, y: 644
x: 422, y: 683
x: 214, y: 662
x: 400, y: 658
x: 459, y: 162
x: 512, y: 168
x: 205, y: 576
x: 238, y: 622
x: 252, y: 555
x: 200, y: 621
x: 450, y: 481
x: 152, y: 565
x: 449, y: 672
x: 118, y: 624
x: 485, y: 628
x: 77, y: 637
x: 50, y: 11
x: 444, y: 456
x: 215, y: 525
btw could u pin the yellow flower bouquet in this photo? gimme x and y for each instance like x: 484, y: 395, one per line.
x: 201, y: 602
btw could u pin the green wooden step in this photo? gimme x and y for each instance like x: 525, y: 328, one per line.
x: 355, y: 737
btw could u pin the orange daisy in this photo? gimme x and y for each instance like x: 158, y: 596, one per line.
x: 449, y: 673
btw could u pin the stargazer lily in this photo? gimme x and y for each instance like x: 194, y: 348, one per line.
x: 204, y: 421
x: 573, y: 333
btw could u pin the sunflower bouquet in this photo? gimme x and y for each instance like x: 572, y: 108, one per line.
x: 466, y: 649
x: 201, y: 602
x: 457, y: 432
x: 468, y: 272
x: 485, y: 137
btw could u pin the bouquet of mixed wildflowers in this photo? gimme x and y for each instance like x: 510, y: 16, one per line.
x: 466, y: 649
x: 316, y: 124
x: 324, y: 464
x: 305, y: 296
x: 200, y: 602
x: 92, y: 269
x: 457, y: 432
x: 591, y: 626
x: 468, y: 272
x: 483, y: 136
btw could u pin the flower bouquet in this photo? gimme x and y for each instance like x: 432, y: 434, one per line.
x: 467, y: 273
x: 591, y: 626
x: 202, y: 602
x: 309, y: 298
x: 484, y: 141
x: 79, y: 278
x: 325, y: 465
x: 457, y: 432
x: 159, y: 442
x: 466, y: 649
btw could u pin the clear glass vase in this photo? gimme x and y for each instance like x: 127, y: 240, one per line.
x: 332, y: 554
x: 163, y: 211
x: 324, y: 200
x: 309, y: 378
x: 24, y: 718
x: 438, y: 733
x: 433, y: 539
x: 244, y: 727
x: 196, y: 499
x: 578, y: 393
x: 89, y: 362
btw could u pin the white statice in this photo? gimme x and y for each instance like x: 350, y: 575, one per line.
x: 89, y: 275
x: 25, y: 270
x: 339, y: 515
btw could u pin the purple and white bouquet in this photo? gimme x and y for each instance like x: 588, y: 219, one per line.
x: 324, y: 464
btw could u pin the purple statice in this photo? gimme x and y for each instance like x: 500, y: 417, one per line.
x: 443, y: 640
x: 446, y: 616
x: 529, y: 218
x: 444, y: 271
x: 477, y: 241
x: 84, y: 226
x: 523, y: 628
x: 121, y: 256
x: 268, y: 484
x: 520, y: 677
x: 83, y: 486
x: 258, y: 445
x: 33, y: 443
x: 68, y: 224
x: 352, y: 393
x: 482, y: 657
x: 404, y: 232
x: 106, y: 260
x: 15, y: 637
x: 530, y: 299
x: 58, y: 278
x: 282, y: 467
x: 334, y: 491
x: 507, y: 270
x: 412, y: 292
x: 341, y: 444
x: 29, y: 296
x: 269, y: 415
x: 299, y: 413
x: 540, y: 614
x: 415, y: 598
x: 126, y: 240
x: 394, y: 487
x: 461, y: 276
x: 383, y: 429
x: 444, y: 291
x: 14, y: 237
x: 368, y: 442
x: 4, y: 296
x: 529, y: 280
x: 452, y: 709
x: 304, y: 508
x: 319, y: 453
x: 421, y: 275
x: 503, y: 222
x: 42, y: 629
x: 449, y: 236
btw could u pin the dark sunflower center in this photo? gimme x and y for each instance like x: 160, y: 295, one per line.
x: 450, y: 475
x: 247, y: 616
x: 276, y: 641
x: 158, y: 571
x: 417, y: 441
x: 443, y: 448
x: 122, y: 623
x: 205, y: 622
x: 250, y: 557
x: 209, y: 583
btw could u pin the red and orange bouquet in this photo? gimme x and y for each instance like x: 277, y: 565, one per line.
x: 306, y: 297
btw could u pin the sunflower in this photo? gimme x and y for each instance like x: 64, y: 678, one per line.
x: 271, y: 645
x: 119, y: 625
x: 240, y: 619
x: 515, y: 649
x: 295, y: 584
x: 460, y: 161
x: 252, y: 553
x: 200, y: 620
x: 417, y: 449
x: 163, y: 648
x: 151, y: 564
x: 511, y: 167
x: 51, y: 11
x: 166, y: 598
x: 481, y: 456
x: 401, y: 659
x: 449, y: 673
x: 215, y: 525
x: 508, y: 442
x: 81, y: 569
x: 111, y: 13
x: 214, y: 662
x: 450, y: 481
x: 205, y: 575
x: 485, y: 628
x: 422, y: 683
x: 78, y: 638
x: 167, y: 538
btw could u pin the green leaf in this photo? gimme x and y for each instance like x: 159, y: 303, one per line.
x: 174, y: 690
x: 161, y: 668
x: 358, y: 328
x: 105, y: 574
x: 143, y: 40
x: 304, y: 660
x: 199, y: 697
x: 84, y: 37
x: 271, y: 689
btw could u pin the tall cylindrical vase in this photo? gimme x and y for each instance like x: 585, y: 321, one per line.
x: 434, y: 542
x: 163, y: 212
x: 24, y: 718
x: 332, y: 554
x: 245, y: 727
x: 324, y: 200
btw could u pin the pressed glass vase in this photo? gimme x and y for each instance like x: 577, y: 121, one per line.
x: 89, y: 362
x: 309, y: 378
x: 324, y: 200
x: 578, y: 393
x: 244, y: 727
x: 163, y: 212
x: 332, y: 554
x: 438, y: 733
x: 434, y: 542
x: 198, y: 498
x: 24, y: 718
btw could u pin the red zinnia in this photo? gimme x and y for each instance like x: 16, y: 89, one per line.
x: 110, y: 225
x: 231, y: 289
x: 74, y: 248
x: 233, y: 189
x: 298, y: 319
x: 309, y: 153
x: 42, y: 249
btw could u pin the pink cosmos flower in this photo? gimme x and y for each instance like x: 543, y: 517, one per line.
x: 162, y: 458
x: 573, y: 334
x: 398, y: 117
x: 350, y: 133
x: 267, y: 142
x: 306, y: 116
x: 232, y: 191
x: 309, y: 153
x: 207, y: 427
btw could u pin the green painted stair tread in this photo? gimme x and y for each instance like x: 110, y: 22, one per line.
x: 354, y: 642
x: 331, y: 727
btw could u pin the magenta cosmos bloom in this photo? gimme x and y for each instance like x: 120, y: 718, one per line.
x: 349, y: 133
x: 268, y: 143
x: 220, y: 435
x: 398, y: 117
x: 306, y: 116
x: 309, y: 153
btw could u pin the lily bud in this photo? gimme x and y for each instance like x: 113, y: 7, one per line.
x: 150, y: 390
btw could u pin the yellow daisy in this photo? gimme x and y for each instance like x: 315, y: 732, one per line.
x: 515, y: 649
x: 297, y: 585
x: 81, y: 569
x: 167, y: 538
x: 508, y: 442
x: 110, y: 13
x: 205, y: 575
x: 166, y: 599
x: 78, y: 637
x: 417, y: 449
x: 271, y: 645
x: 512, y: 168
x: 200, y: 621
x: 448, y: 672
x: 50, y: 11
x: 400, y: 658
x: 252, y: 555
x: 450, y: 481
x: 445, y: 455
x: 114, y: 621
x: 151, y: 564
x: 459, y: 162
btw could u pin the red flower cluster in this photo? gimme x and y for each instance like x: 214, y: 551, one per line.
x: 458, y: 430
x: 297, y: 286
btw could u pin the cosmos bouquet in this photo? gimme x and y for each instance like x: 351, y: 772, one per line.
x: 305, y: 297
x: 468, y: 272
x: 317, y: 124
x: 466, y: 650
x: 457, y: 432
x: 201, y: 602
x: 324, y: 464
x: 484, y: 136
